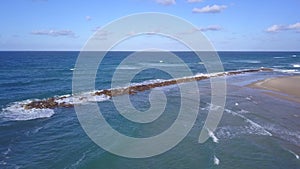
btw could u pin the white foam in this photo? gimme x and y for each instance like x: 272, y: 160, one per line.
x: 148, y: 82
x: 296, y: 155
x: 214, y: 107
x: 212, y: 135
x: 82, y: 98
x: 216, y: 160
x: 200, y: 74
x: 247, y: 61
x: 278, y: 57
x: 258, y: 129
x: 286, y: 70
x: 228, y: 131
x: 7, y: 151
x: 248, y: 98
x: 294, y: 56
x: 285, y: 134
x: 83, y: 156
x: 17, y: 112
x: 243, y: 111
x: 161, y: 64
x: 253, y: 61
x: 126, y: 67
x: 296, y: 65
x: 3, y: 162
x: 209, y: 74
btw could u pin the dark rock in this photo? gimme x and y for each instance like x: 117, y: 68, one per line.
x: 51, y: 102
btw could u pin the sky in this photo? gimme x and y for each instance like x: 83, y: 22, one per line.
x: 230, y: 25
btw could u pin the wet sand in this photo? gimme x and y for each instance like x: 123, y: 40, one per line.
x: 287, y: 87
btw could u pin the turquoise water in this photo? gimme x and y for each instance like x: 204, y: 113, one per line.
x: 256, y: 130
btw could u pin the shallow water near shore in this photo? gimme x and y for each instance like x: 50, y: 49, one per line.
x: 256, y: 130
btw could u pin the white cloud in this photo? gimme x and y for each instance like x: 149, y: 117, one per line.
x: 166, y: 2
x: 211, y: 28
x: 294, y: 26
x: 280, y: 28
x: 194, y: 1
x: 88, y: 18
x: 210, y: 9
x: 54, y: 33
x: 275, y: 28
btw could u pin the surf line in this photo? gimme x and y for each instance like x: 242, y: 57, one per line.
x: 55, y: 102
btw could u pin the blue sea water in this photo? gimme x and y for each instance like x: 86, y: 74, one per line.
x: 256, y: 130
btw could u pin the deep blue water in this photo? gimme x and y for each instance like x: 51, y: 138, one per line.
x: 256, y: 131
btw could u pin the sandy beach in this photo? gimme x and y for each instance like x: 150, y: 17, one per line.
x: 287, y: 87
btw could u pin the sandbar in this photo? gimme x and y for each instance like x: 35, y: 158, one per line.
x: 287, y: 87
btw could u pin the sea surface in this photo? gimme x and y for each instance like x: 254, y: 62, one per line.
x: 256, y: 130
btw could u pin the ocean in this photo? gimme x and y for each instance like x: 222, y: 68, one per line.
x: 256, y: 129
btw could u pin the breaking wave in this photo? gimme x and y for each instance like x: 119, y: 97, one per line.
x: 296, y: 155
x: 247, y: 61
x: 16, y: 112
x: 44, y: 108
x: 216, y: 160
x: 213, y: 136
x: 233, y: 131
x: 296, y: 65
x: 287, y: 70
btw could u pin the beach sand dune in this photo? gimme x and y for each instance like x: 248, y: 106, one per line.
x: 287, y: 87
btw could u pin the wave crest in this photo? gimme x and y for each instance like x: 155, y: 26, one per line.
x: 16, y: 112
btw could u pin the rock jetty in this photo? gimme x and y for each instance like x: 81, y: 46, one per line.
x: 53, y: 102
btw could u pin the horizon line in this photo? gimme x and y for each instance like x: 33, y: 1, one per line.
x: 151, y: 51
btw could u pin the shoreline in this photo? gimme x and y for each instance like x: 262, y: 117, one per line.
x: 286, y: 87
